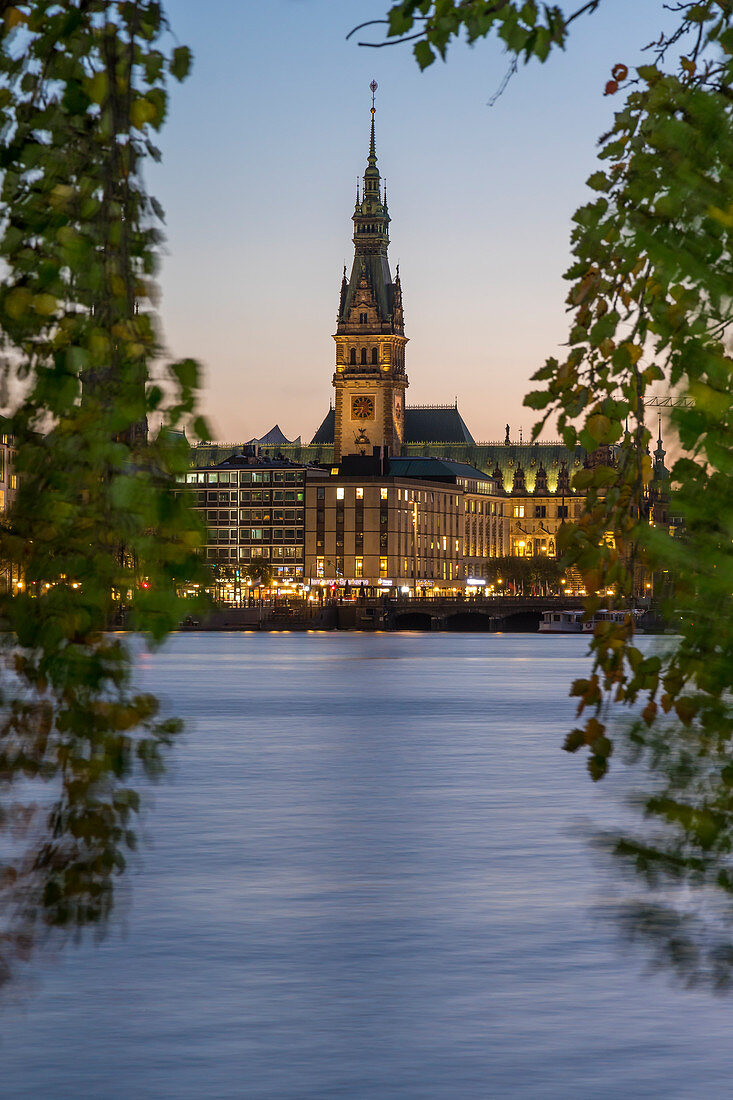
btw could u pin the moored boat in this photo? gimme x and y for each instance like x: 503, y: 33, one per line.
x: 565, y: 622
x: 572, y: 622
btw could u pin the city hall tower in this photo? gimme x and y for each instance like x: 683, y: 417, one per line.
x: 370, y: 379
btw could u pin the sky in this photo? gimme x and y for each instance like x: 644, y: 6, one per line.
x: 261, y: 152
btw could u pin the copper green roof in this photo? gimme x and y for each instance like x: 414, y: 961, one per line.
x: 440, y: 468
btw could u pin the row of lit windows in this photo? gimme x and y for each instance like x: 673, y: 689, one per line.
x: 245, y: 553
x: 540, y: 511
x: 484, y: 508
x: 246, y: 496
x: 255, y: 534
x: 358, y: 493
x: 245, y: 477
x: 265, y: 515
x: 409, y: 496
x: 254, y: 515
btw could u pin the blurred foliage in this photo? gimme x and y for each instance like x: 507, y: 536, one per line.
x: 651, y: 302
x: 95, y: 538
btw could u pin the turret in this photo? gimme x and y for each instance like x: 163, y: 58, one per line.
x: 370, y: 379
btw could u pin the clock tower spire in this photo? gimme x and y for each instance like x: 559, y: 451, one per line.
x: 370, y: 379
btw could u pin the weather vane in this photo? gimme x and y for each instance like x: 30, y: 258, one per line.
x: 373, y: 87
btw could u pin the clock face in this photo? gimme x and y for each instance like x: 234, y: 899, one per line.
x: 362, y: 408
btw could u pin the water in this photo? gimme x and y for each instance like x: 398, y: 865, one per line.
x: 366, y: 877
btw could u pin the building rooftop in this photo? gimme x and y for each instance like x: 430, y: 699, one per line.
x: 435, y: 424
x: 423, y: 424
x: 434, y: 469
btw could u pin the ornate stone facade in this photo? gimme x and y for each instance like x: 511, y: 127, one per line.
x: 370, y: 379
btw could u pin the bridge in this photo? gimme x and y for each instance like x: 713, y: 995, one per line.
x: 386, y: 612
x: 459, y: 613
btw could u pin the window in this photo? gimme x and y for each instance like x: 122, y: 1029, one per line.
x: 384, y: 493
x: 359, y: 494
x: 320, y: 493
x: 540, y: 511
x: 519, y: 511
x: 363, y: 318
x: 319, y: 567
x: 374, y: 355
x: 363, y: 355
x: 382, y: 567
x: 562, y: 511
x: 358, y: 567
x: 352, y: 355
x: 340, y: 493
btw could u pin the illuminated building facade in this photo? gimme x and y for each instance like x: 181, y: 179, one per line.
x: 406, y: 527
x: 253, y: 508
x: 513, y: 502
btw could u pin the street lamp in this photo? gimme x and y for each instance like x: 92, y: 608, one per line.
x: 414, y: 548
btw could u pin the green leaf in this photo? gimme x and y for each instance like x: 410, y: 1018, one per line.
x: 423, y: 54
x: 180, y: 63
x: 187, y: 373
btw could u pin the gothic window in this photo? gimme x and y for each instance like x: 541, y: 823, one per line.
x: 363, y: 318
x: 363, y: 355
x: 374, y: 355
x: 352, y: 355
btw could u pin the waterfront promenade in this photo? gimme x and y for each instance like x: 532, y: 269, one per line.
x: 443, y: 613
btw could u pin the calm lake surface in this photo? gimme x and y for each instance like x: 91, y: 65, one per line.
x: 366, y: 876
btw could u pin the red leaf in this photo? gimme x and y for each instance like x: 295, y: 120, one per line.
x: 611, y: 87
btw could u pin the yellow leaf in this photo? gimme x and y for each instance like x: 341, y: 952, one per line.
x: 97, y: 87
x: 13, y: 18
x: 44, y: 305
x: 141, y: 112
x: 725, y: 217
x: 17, y: 302
x: 634, y: 351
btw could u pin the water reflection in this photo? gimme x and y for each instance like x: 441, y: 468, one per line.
x: 364, y: 882
x: 71, y: 761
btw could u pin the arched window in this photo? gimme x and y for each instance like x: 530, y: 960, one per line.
x: 363, y: 355
x: 352, y: 355
x: 374, y: 355
x: 363, y: 318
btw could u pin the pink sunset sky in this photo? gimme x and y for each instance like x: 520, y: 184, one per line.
x: 261, y: 153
